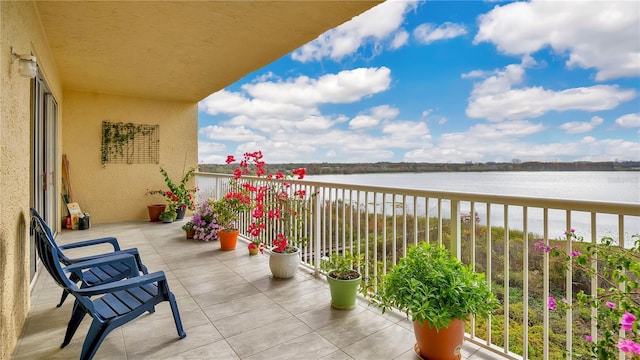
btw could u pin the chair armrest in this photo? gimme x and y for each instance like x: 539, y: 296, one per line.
x: 127, y: 259
x: 131, y: 251
x: 122, y: 284
x: 110, y: 240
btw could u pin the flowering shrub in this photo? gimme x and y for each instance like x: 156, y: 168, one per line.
x: 204, y: 222
x: 276, y: 204
x: 178, y: 196
x: 229, y: 207
x: 617, y: 300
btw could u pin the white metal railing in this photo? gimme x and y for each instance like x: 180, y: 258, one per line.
x: 382, y: 222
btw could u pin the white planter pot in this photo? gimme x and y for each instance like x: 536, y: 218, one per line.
x: 284, y: 265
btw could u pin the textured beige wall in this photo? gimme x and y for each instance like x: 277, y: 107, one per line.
x: 19, y: 28
x: 117, y: 192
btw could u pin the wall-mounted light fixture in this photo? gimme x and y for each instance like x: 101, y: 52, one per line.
x: 26, y: 64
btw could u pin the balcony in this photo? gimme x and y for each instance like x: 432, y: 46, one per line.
x: 232, y: 308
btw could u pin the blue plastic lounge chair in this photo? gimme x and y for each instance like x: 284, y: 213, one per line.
x: 96, y: 275
x: 110, y: 305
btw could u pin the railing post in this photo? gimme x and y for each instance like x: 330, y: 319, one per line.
x: 316, y: 233
x: 456, y: 247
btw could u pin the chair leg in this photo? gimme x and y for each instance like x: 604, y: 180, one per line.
x: 176, y: 316
x: 97, y: 332
x: 65, y: 293
x: 74, y: 278
x: 77, y: 315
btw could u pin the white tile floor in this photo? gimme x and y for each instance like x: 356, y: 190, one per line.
x: 231, y: 308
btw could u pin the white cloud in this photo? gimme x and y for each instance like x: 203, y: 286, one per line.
x: 495, y: 98
x: 377, y: 25
x: 579, y: 127
x: 399, y: 39
x: 239, y: 133
x: 363, y: 122
x: 428, y: 33
x: 593, y: 34
x: 385, y: 112
x: 628, y: 120
x: 211, y: 153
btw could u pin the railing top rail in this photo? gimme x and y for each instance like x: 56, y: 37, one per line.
x: 620, y: 208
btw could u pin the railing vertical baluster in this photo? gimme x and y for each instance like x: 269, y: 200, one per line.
x: 384, y: 231
x: 506, y: 275
x: 489, y: 274
x: 594, y: 280
x: 473, y: 256
x: 622, y: 285
x: 569, y: 289
x: 317, y: 230
x: 344, y: 221
x: 545, y: 286
x: 525, y: 283
x: 439, y: 221
x: 455, y: 227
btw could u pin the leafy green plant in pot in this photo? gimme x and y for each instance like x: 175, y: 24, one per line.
x: 343, y: 278
x: 168, y: 216
x: 226, y: 211
x: 438, y: 293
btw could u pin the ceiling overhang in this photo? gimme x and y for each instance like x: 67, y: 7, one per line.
x: 179, y: 50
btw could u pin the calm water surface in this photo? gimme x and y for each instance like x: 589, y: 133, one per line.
x: 611, y: 186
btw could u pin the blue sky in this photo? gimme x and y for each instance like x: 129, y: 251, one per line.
x: 444, y: 81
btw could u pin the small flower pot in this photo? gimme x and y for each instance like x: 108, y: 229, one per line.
x: 228, y: 239
x: 284, y: 265
x: 343, y: 292
x: 155, y: 211
x: 190, y: 234
x: 181, y: 211
x: 253, y: 251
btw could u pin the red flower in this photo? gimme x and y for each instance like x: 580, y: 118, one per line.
x: 230, y: 159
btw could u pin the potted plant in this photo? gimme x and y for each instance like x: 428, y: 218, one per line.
x: 438, y: 293
x: 189, y: 229
x: 178, y: 196
x: 226, y: 211
x: 168, y: 216
x: 204, y: 222
x: 277, y: 213
x: 343, y: 278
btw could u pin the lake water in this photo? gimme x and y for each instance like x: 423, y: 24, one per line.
x: 608, y: 186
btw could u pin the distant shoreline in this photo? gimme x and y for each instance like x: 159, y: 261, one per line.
x: 390, y: 167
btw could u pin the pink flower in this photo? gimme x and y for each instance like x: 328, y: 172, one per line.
x: 627, y: 321
x: 575, y: 253
x: 588, y: 338
x: 552, y: 303
x: 610, y: 305
x: 564, y: 300
x: 628, y: 346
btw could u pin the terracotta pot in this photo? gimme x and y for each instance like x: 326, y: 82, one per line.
x: 445, y: 344
x: 190, y: 234
x: 284, y: 265
x: 228, y: 239
x: 155, y: 211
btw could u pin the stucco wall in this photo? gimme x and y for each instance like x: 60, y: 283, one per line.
x: 117, y: 192
x: 19, y: 28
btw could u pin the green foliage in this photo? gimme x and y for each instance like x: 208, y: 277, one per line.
x: 342, y: 266
x: 617, y: 295
x: 429, y: 284
x: 178, y: 195
x: 168, y: 215
x: 227, y: 210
